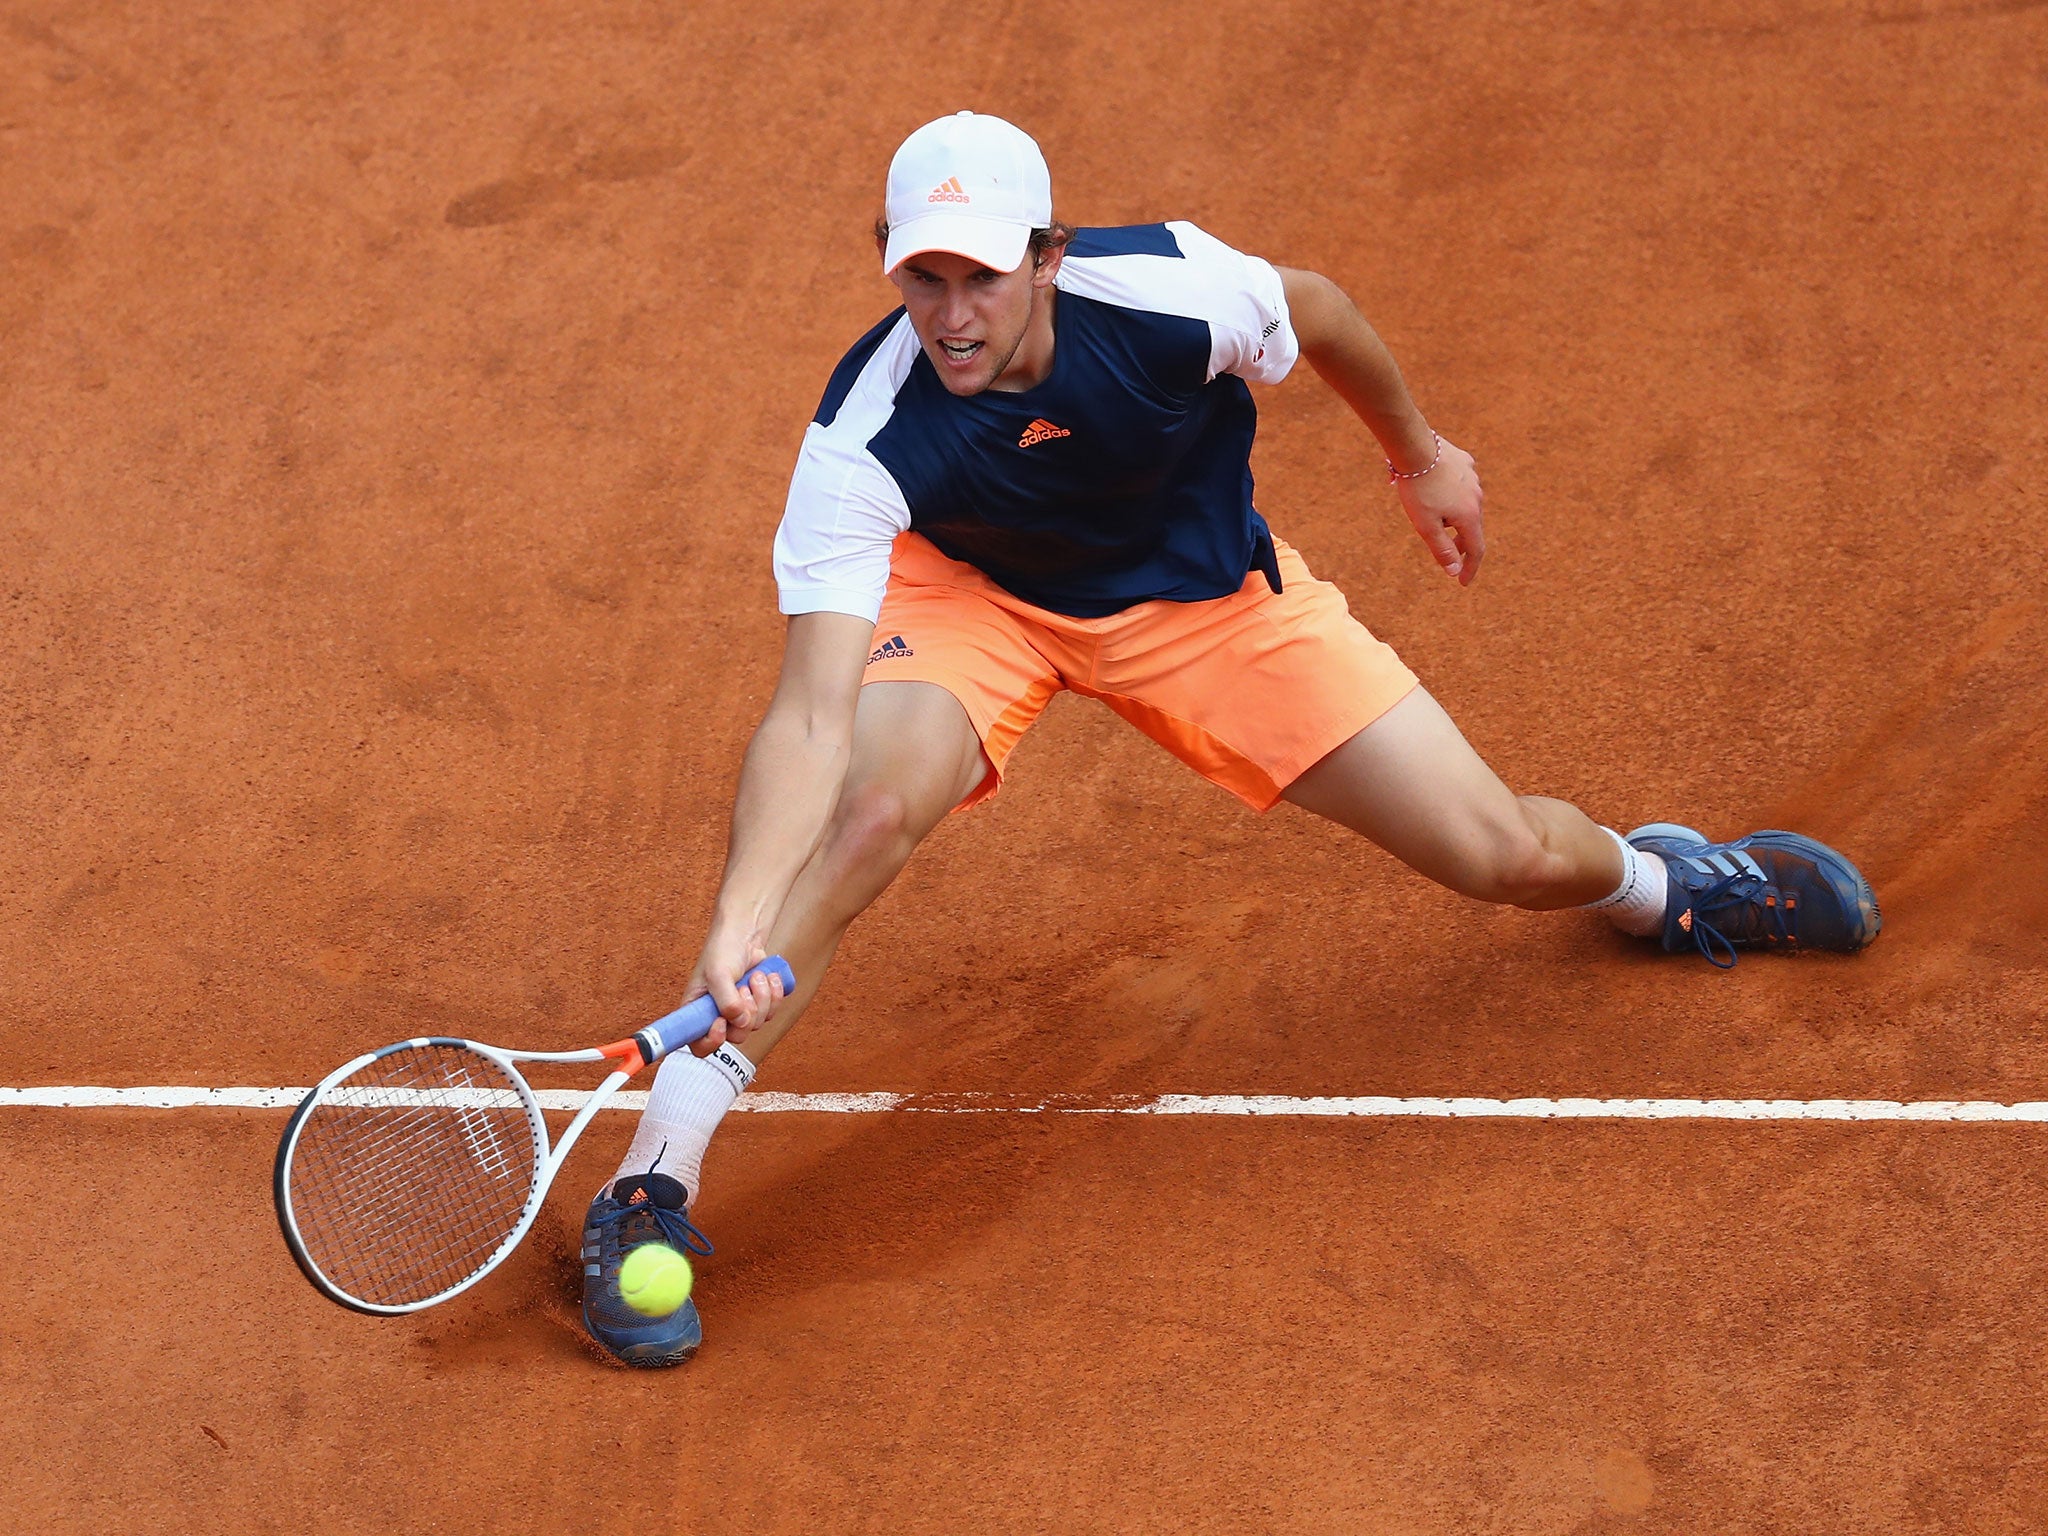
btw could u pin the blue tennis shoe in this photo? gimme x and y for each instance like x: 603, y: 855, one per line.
x: 641, y: 1208
x: 1769, y: 890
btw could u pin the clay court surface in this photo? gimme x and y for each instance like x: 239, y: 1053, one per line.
x: 396, y: 403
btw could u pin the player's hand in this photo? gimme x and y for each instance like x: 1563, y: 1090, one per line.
x: 741, y: 1010
x: 1447, y: 508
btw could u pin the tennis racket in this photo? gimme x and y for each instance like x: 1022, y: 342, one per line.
x: 409, y: 1174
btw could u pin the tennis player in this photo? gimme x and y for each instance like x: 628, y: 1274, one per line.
x: 1034, y: 476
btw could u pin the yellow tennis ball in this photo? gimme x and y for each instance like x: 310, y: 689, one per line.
x: 655, y: 1279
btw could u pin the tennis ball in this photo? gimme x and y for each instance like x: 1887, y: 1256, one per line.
x: 655, y: 1279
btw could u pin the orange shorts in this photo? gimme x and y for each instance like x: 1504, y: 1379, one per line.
x: 1250, y: 690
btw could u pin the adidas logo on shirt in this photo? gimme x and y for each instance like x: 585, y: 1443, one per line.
x: 892, y: 649
x: 1040, y: 431
x: 949, y: 191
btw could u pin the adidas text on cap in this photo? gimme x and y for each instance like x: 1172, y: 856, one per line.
x: 970, y: 184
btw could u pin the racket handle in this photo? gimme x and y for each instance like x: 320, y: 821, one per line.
x: 689, y: 1023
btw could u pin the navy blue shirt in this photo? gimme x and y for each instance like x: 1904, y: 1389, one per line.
x: 1122, y: 477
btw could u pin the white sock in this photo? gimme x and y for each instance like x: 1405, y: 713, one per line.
x: 1637, y: 905
x: 691, y: 1095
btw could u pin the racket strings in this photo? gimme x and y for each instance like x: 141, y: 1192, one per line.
x: 409, y: 1174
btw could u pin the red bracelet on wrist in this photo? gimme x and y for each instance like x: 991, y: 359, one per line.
x: 1394, y: 474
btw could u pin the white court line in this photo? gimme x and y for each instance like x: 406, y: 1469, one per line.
x: 1263, y: 1104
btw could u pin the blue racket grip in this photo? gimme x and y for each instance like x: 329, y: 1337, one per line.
x: 689, y: 1023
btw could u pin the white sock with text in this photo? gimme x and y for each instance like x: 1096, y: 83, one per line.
x: 691, y: 1095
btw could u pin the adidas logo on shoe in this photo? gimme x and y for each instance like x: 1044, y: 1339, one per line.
x: 1041, y: 431
x: 892, y: 649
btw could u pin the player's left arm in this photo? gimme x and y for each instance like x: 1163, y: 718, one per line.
x: 1442, y: 498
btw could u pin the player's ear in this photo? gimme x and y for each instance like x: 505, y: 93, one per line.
x: 1048, y: 250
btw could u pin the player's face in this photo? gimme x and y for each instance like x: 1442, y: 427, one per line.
x: 982, y: 329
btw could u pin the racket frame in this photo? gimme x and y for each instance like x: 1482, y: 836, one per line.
x: 645, y: 1046
x: 547, y: 1159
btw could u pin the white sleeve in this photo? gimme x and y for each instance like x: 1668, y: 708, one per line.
x: 1250, y: 333
x: 1239, y: 296
x: 844, y: 509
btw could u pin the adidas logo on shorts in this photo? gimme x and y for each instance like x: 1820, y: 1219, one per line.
x: 892, y: 649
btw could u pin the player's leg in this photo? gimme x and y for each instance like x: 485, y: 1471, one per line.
x: 1284, y: 694
x: 1412, y: 784
x: 915, y: 756
x: 952, y: 685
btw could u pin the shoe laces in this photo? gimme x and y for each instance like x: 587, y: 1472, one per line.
x: 646, y: 1222
x: 1760, y: 916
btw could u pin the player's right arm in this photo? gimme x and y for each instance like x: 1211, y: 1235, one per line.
x: 831, y: 570
x: 789, y: 783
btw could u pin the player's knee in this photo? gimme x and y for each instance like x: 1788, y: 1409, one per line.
x: 1513, y: 867
x: 872, y: 826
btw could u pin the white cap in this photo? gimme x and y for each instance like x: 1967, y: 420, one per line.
x: 971, y: 184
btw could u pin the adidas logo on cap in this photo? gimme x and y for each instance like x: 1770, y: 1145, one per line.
x: 949, y: 191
